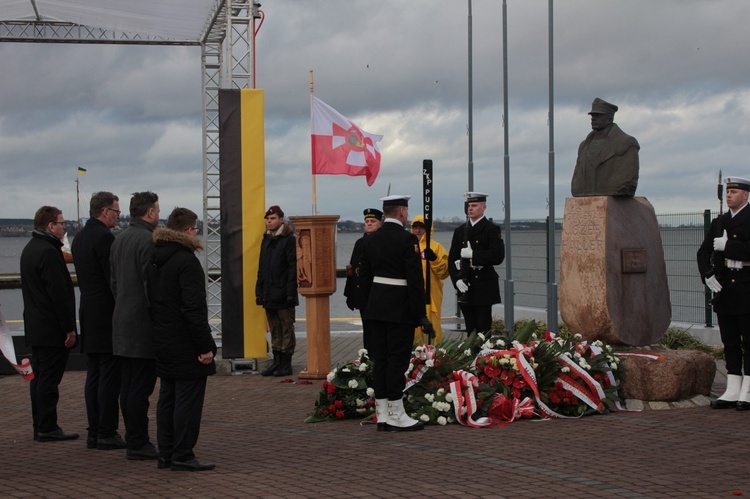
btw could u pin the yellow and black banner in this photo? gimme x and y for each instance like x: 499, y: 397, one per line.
x: 243, y: 185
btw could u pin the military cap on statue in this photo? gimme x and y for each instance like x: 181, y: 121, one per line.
x: 476, y: 197
x: 396, y: 200
x: 373, y: 213
x: 600, y: 106
x: 737, y: 183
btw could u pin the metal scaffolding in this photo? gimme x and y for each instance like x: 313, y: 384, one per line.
x: 227, y: 61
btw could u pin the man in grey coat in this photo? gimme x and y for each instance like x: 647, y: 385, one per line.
x: 132, y: 332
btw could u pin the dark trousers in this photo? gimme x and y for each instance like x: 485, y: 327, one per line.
x: 102, y: 391
x: 391, y: 352
x: 281, y: 322
x: 178, y: 417
x: 138, y: 382
x: 48, y: 364
x: 477, y: 318
x: 735, y: 335
x: 366, y: 336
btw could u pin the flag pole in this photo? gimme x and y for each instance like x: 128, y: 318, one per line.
x: 314, y: 186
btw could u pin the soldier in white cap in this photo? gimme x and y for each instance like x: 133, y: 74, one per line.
x: 724, y: 264
x: 390, y: 273
x: 607, y: 163
x: 476, y: 247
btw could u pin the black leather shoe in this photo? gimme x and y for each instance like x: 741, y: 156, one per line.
x: 57, y: 435
x: 91, y: 442
x: 723, y: 404
x: 114, y: 442
x: 164, y: 463
x: 146, y: 453
x: 743, y: 406
x: 192, y: 465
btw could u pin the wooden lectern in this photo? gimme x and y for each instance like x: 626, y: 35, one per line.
x: 316, y: 280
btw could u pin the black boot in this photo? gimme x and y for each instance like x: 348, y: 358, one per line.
x: 268, y: 371
x: 285, y: 366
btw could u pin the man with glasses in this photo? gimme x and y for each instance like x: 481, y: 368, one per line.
x: 91, y: 249
x: 132, y: 333
x: 49, y: 316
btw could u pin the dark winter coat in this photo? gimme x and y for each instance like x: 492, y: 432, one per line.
x: 90, y: 250
x: 489, y: 250
x: 49, y: 303
x: 129, y: 258
x: 179, y: 312
x: 392, y: 252
x: 276, y: 286
x: 352, y: 288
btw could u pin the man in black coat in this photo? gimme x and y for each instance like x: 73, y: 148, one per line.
x: 724, y: 264
x: 276, y: 289
x: 49, y: 318
x: 352, y: 289
x: 90, y: 250
x: 185, y: 348
x: 477, y: 246
x: 391, y: 276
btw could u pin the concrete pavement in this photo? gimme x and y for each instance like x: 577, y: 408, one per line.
x: 253, y: 430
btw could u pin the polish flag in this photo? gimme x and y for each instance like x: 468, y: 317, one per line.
x: 340, y: 147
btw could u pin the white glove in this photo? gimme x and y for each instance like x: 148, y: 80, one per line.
x: 720, y: 242
x: 457, y: 263
x: 463, y: 287
x: 467, y: 252
x: 713, y: 284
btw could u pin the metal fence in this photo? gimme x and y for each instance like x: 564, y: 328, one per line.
x: 681, y: 234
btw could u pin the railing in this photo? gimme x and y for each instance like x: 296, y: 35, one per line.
x: 681, y: 233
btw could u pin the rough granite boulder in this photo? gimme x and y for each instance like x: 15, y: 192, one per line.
x: 613, y: 279
x: 678, y: 374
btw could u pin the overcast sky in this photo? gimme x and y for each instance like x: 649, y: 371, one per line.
x: 678, y: 70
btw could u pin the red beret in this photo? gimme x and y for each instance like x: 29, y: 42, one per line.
x: 275, y: 210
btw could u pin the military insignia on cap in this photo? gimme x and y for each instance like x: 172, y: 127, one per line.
x: 476, y: 197
x: 373, y: 213
x: 737, y: 183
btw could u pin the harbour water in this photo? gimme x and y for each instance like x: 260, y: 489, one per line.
x: 529, y: 271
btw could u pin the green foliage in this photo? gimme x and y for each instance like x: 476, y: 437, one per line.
x: 681, y: 339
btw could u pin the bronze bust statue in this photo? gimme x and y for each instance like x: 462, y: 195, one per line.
x: 607, y: 163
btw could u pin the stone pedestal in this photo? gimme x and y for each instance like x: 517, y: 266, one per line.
x: 676, y: 375
x: 316, y: 281
x: 613, y: 279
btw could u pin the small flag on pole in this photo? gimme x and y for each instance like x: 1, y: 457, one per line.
x: 81, y: 171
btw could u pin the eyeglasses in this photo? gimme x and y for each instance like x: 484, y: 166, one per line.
x: 116, y: 211
x: 55, y: 223
x: 197, y: 230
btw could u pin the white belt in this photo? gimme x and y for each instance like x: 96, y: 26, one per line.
x: 735, y: 264
x: 390, y: 281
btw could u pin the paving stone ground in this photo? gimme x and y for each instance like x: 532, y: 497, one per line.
x: 253, y: 430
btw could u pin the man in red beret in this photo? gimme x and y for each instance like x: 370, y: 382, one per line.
x: 276, y: 289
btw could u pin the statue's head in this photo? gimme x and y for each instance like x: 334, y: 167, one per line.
x: 602, y: 114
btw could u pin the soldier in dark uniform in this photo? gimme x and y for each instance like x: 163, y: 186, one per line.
x: 352, y: 289
x: 724, y: 264
x: 390, y: 274
x: 476, y: 247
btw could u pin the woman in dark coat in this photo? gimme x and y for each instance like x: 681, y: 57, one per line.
x: 184, y: 346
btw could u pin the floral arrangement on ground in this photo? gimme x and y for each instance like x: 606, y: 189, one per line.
x: 486, y: 380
